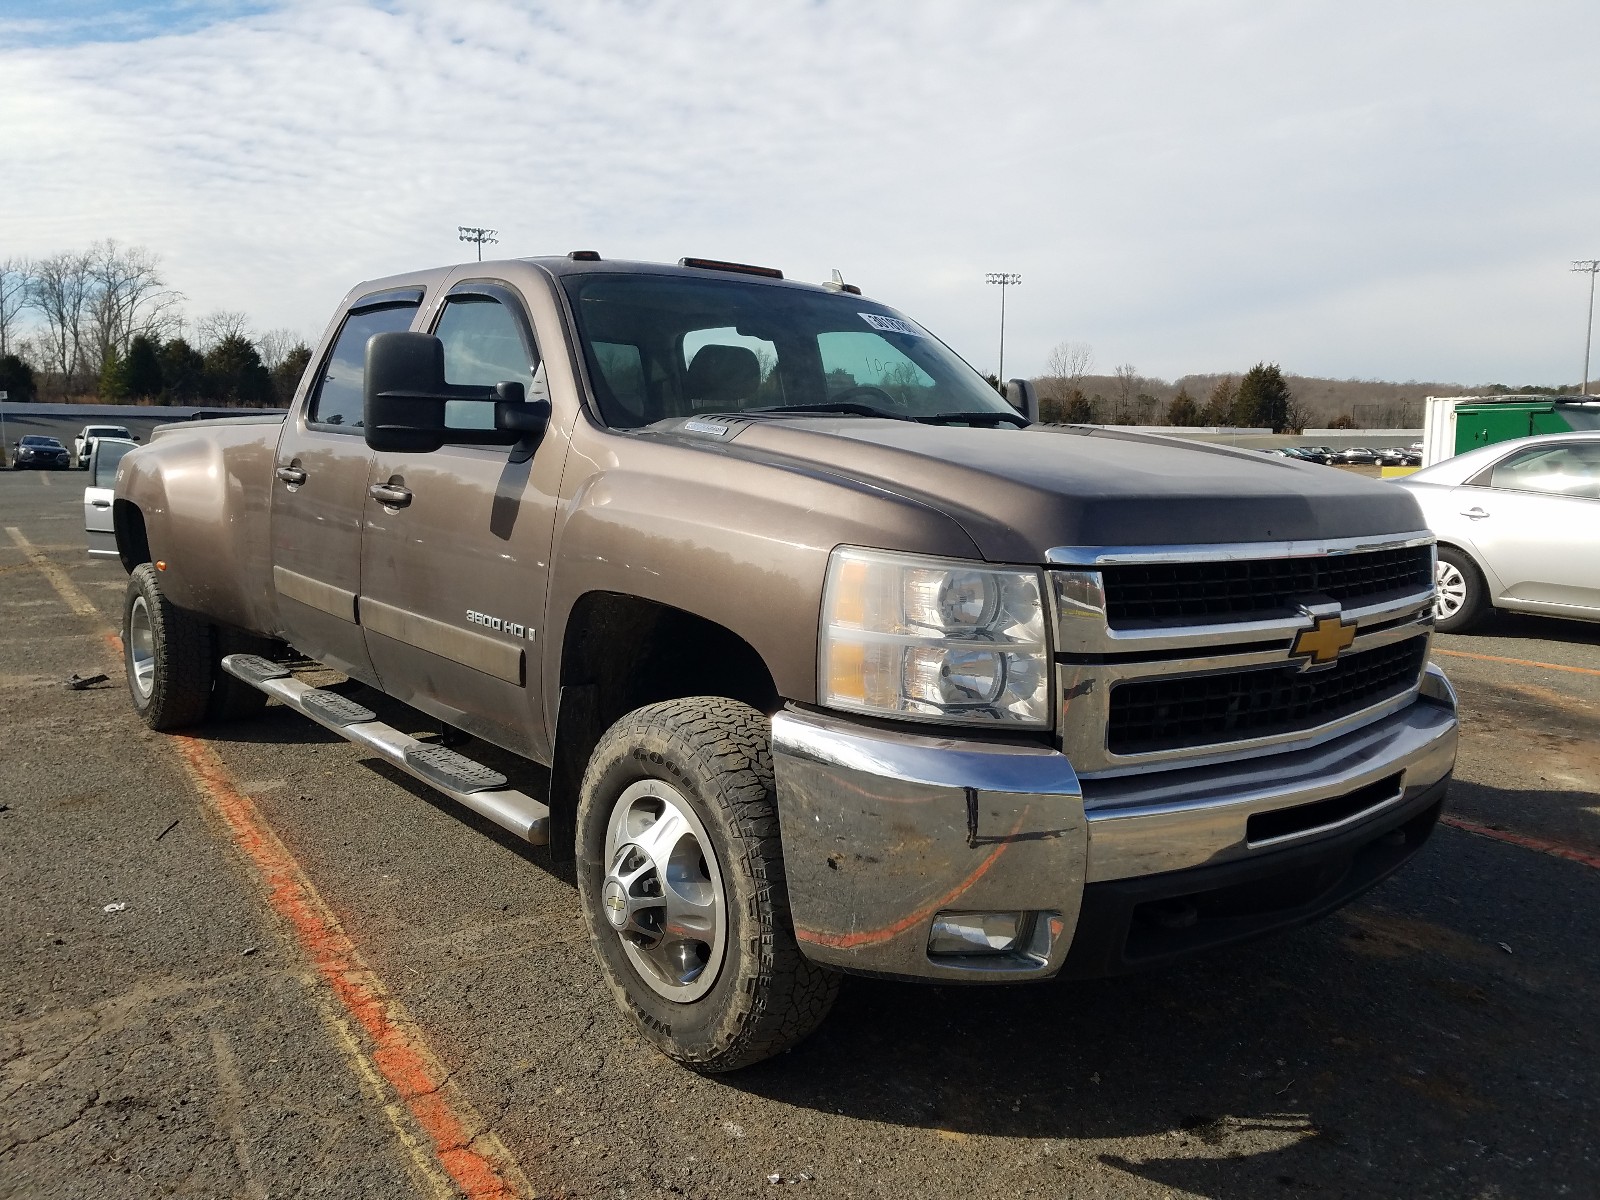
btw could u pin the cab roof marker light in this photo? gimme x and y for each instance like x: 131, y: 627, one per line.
x: 584, y: 255
x: 717, y: 264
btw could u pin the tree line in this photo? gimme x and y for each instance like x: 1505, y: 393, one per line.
x: 106, y: 324
x: 1259, y: 399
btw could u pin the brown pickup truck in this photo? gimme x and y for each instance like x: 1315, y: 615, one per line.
x: 836, y: 661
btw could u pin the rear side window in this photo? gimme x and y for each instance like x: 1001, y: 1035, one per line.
x: 337, y: 400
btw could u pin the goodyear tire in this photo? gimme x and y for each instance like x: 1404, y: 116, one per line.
x: 169, y: 655
x: 681, y: 877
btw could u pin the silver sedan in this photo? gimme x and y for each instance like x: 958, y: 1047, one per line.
x: 1518, y: 525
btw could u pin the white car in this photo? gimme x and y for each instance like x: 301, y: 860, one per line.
x: 83, y: 444
x: 98, y: 524
x: 1518, y: 525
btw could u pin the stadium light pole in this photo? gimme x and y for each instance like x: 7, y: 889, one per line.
x: 1005, y: 279
x: 1589, y: 265
x: 472, y: 233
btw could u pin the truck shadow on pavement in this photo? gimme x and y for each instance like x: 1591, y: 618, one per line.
x: 1432, y: 1039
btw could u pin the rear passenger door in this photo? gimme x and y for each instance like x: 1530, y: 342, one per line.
x: 320, y: 492
x: 457, y: 542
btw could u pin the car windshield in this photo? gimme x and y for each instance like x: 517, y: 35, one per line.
x: 47, y: 443
x: 661, y: 346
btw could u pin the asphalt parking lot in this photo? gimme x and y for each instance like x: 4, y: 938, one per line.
x: 255, y: 963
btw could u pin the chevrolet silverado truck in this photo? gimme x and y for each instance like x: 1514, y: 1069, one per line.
x: 813, y: 653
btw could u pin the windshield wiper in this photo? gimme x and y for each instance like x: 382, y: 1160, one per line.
x: 855, y: 410
x: 974, y: 418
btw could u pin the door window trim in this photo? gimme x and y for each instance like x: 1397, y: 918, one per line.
x: 406, y: 297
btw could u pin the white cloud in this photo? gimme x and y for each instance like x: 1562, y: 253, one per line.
x: 1354, y: 189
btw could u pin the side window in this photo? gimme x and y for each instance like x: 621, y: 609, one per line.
x: 483, y: 346
x: 337, y: 400
x: 1572, y: 469
x: 852, y: 360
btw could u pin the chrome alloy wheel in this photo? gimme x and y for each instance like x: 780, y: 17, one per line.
x: 1452, y: 590
x: 141, y: 649
x: 663, y: 893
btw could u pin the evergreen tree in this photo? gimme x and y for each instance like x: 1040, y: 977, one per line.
x: 16, y: 380
x: 286, y: 375
x: 1183, y: 410
x: 142, y: 369
x: 234, y: 374
x: 1263, y: 399
x: 1219, y: 403
x: 113, y: 377
x: 182, y: 372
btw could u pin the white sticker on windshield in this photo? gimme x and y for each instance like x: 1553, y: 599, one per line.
x: 889, y: 324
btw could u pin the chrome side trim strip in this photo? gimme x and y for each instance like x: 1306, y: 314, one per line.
x: 510, y: 809
x: 479, y: 651
x: 313, y: 593
x: 1103, y: 556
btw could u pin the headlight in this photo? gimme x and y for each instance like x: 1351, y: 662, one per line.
x: 934, y: 640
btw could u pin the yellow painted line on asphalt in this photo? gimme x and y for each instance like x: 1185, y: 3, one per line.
x: 1517, y: 662
x: 68, y: 591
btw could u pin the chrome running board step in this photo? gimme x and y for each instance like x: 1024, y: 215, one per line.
x: 472, y: 784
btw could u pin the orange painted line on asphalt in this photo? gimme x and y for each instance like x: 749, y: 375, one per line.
x: 1542, y: 845
x: 1518, y: 662
x: 400, y: 1055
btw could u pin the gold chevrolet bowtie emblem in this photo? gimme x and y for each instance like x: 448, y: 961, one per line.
x: 1324, y: 640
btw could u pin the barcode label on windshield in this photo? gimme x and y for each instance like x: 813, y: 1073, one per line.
x: 890, y: 324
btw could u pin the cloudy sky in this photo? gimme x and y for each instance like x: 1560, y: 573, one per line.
x: 1374, y: 190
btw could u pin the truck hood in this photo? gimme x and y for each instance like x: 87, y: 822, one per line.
x: 1021, y: 492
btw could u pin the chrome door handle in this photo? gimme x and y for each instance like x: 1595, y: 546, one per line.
x: 292, y: 475
x: 391, y: 494
x: 1476, y: 514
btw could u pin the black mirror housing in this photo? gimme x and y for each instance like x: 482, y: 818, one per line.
x: 404, y: 396
x: 404, y: 393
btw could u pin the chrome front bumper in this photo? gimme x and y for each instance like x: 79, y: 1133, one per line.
x: 883, y: 829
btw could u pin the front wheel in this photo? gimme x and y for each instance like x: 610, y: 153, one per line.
x: 680, y: 871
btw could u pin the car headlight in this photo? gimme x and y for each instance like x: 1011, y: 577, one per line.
x: 933, y: 640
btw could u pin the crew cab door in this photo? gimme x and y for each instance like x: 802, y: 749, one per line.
x: 319, y: 491
x: 457, y: 543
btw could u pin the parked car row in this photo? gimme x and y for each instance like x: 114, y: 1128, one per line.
x: 1389, y: 456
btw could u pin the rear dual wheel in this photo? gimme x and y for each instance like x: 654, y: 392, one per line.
x: 681, y: 876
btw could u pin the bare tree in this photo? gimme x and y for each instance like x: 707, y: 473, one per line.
x: 275, y: 344
x: 218, y: 326
x: 14, y: 275
x: 1069, y: 361
x: 1128, y: 384
x: 60, y: 289
x: 129, y: 298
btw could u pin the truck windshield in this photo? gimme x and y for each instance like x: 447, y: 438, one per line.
x: 661, y: 346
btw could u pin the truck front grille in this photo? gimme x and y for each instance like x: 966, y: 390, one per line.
x: 1193, y: 592
x: 1180, y: 712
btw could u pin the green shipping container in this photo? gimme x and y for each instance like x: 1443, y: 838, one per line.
x: 1480, y: 424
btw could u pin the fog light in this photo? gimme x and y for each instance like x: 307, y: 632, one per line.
x: 975, y: 933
